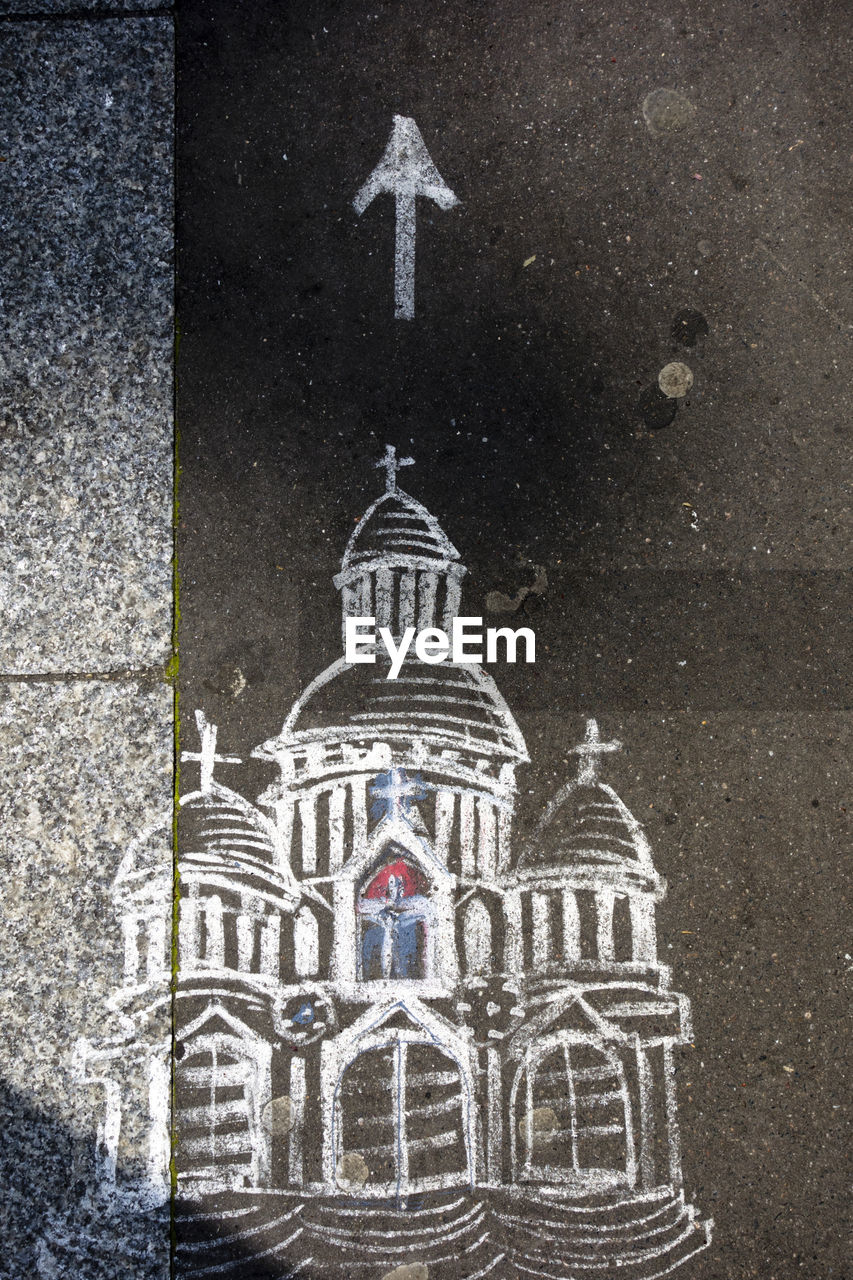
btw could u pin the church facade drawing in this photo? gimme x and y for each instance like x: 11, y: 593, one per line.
x: 397, y: 1028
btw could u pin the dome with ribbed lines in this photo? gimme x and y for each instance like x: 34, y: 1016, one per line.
x: 588, y: 823
x: 224, y: 840
x: 456, y: 706
x: 394, y: 529
x: 587, y: 829
x: 399, y: 567
x: 145, y: 873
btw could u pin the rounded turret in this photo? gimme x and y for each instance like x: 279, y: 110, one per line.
x: 586, y: 881
x: 399, y: 566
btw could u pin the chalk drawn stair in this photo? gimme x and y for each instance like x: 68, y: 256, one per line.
x: 638, y: 1239
x: 218, y: 1237
x: 372, y: 1240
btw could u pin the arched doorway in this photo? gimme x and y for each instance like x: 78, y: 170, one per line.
x: 402, y: 1119
x: 571, y: 1115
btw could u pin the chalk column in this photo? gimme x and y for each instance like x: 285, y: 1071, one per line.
x: 541, y: 908
x: 246, y: 927
x: 427, y: 587
x: 297, y: 1097
x: 494, y: 1135
x: 504, y: 838
x: 445, y: 804
x: 451, y: 608
x: 157, y: 958
x: 359, y: 814
x: 130, y: 929
x: 308, y: 818
x: 487, y: 842
x: 188, y: 931
x: 214, y: 951
x: 645, y: 1080
x: 271, y: 947
x: 467, y: 835
x: 514, y: 941
x: 644, y: 947
x: 337, y: 804
x: 604, y: 900
x: 571, y: 927
x: 673, y: 1136
x: 384, y: 598
x: 407, y: 601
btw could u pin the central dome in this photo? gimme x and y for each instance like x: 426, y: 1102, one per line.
x: 456, y: 705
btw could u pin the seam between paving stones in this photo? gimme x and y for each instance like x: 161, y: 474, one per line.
x: 173, y: 669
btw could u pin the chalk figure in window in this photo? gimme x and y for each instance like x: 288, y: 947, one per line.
x: 394, y: 914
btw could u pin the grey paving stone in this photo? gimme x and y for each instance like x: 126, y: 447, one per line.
x: 67, y: 8
x: 85, y: 364
x: 86, y: 820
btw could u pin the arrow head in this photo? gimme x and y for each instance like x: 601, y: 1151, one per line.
x: 405, y: 169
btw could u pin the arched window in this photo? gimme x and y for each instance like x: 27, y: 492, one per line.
x: 572, y: 1114
x: 478, y: 938
x: 395, y: 919
x: 306, y: 943
x: 216, y: 1086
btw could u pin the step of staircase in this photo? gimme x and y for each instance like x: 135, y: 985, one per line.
x: 523, y: 1220
x: 646, y: 1257
x: 492, y: 1235
x: 218, y: 1238
x: 372, y: 1239
x: 611, y: 1208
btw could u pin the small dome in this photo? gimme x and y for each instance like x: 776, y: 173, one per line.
x: 222, y: 837
x: 223, y: 820
x: 397, y: 528
x: 456, y: 706
x: 587, y: 828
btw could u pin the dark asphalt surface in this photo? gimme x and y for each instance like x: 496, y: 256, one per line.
x: 697, y: 597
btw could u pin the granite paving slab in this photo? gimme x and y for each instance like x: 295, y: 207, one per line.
x: 86, y: 435
x: 86, y: 965
x: 73, y: 9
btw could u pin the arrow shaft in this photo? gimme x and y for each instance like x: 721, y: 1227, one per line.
x: 404, y: 256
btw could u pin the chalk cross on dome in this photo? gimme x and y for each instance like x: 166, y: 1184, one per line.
x: 590, y: 751
x: 394, y: 792
x: 207, y: 757
x: 392, y: 465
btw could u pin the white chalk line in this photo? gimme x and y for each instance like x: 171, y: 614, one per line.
x: 233, y: 1237
x: 406, y: 171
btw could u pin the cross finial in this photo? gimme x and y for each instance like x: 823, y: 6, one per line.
x: 394, y: 792
x: 392, y: 465
x: 207, y: 756
x: 590, y: 751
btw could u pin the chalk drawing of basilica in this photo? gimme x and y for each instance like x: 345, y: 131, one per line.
x: 400, y: 1037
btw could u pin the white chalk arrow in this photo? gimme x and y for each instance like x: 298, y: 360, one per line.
x: 406, y: 171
